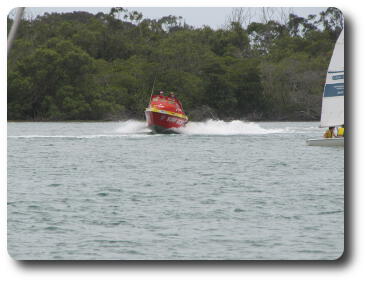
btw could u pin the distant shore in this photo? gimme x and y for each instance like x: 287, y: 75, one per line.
x: 84, y: 67
x: 142, y: 120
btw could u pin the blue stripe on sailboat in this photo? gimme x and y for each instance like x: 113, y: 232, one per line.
x: 338, y: 77
x: 334, y: 90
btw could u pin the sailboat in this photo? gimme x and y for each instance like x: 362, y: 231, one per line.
x: 332, y: 113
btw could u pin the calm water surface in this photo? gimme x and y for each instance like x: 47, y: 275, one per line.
x: 218, y: 191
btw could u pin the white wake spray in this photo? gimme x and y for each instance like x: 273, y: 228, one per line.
x: 133, y: 127
x: 219, y: 127
x: 209, y: 127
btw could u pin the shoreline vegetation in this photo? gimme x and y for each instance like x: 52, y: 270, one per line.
x: 84, y: 67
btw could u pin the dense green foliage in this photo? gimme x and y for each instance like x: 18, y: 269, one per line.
x: 79, y: 66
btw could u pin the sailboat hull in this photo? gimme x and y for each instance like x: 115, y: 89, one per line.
x: 326, y: 142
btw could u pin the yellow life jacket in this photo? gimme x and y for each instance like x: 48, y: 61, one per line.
x: 341, y: 132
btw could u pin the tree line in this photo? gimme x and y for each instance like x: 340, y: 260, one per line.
x: 80, y: 66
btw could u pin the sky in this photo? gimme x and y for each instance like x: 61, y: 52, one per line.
x: 215, y: 17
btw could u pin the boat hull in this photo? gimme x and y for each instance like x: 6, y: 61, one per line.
x: 326, y: 142
x: 163, y: 123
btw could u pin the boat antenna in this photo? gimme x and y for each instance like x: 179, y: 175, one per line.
x: 151, y: 94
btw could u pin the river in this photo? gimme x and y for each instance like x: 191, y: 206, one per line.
x: 220, y: 190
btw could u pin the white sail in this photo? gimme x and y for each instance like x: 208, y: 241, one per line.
x: 332, y: 113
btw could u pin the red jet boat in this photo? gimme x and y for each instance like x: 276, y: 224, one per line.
x: 165, y: 113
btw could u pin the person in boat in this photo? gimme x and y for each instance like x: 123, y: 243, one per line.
x: 171, y: 94
x: 161, y: 93
x: 329, y: 133
x: 341, y: 131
